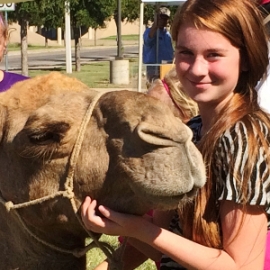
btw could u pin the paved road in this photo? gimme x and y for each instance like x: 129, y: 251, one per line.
x: 57, y: 57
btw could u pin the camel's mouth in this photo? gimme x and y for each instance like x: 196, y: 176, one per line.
x: 169, y: 202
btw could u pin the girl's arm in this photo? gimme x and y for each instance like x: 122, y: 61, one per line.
x: 161, y: 219
x: 137, y: 252
x: 244, y: 236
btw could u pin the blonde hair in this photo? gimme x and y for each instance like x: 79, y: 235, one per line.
x: 180, y: 103
x: 188, y: 107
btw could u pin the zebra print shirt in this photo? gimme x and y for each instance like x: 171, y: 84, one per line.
x: 233, y: 141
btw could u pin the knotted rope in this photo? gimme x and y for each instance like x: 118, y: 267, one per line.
x: 68, y: 193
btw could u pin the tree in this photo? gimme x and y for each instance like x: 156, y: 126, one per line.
x: 39, y: 12
x: 51, y: 15
x: 24, y: 12
x: 130, y: 10
x: 88, y: 14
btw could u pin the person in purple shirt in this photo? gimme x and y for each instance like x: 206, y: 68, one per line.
x: 7, y: 79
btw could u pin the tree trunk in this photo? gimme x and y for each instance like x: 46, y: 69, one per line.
x: 46, y: 42
x: 46, y: 37
x: 39, y: 30
x: 120, y: 48
x: 77, y: 49
x: 24, y: 45
x: 115, y: 17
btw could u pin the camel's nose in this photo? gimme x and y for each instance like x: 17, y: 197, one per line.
x: 196, y: 164
x: 157, y: 135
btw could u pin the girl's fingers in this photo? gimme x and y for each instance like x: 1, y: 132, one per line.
x: 118, y: 222
x: 85, y: 206
x: 106, y: 212
x: 88, y: 214
x: 106, y: 221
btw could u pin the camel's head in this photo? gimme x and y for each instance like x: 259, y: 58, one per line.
x: 134, y: 154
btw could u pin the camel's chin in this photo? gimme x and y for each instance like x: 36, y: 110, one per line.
x: 171, y: 202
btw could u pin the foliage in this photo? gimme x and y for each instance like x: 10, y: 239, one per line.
x: 51, y: 13
x: 149, y: 11
x: 91, y: 13
x: 130, y: 10
x: 88, y: 13
x: 29, y: 11
x: 48, y: 13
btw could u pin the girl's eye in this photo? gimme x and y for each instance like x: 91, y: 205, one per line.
x: 213, y: 55
x: 184, y: 53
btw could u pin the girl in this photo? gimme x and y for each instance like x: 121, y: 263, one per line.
x: 221, y: 54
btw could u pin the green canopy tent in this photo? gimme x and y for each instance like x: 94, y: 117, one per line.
x: 142, y: 3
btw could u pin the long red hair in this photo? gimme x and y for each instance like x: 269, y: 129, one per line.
x: 241, y: 23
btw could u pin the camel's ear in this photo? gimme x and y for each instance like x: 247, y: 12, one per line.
x: 3, y: 117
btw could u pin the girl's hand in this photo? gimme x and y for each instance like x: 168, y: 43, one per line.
x: 109, y: 222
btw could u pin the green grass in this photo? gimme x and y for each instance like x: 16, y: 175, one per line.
x: 123, y: 37
x: 94, y: 74
x: 96, y: 256
x: 17, y: 47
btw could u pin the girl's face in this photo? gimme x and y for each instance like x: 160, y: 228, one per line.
x: 208, y: 65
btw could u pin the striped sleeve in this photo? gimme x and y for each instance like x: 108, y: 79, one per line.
x: 233, y: 149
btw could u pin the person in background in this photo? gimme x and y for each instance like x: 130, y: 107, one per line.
x: 7, y: 79
x: 227, y: 225
x: 157, y: 46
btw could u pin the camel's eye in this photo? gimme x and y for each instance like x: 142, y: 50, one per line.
x: 44, y: 138
x: 47, y: 134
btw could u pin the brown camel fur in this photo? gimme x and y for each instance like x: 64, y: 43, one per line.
x: 135, y: 155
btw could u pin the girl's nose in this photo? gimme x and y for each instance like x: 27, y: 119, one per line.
x: 199, y: 67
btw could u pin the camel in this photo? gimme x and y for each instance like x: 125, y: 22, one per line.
x: 61, y: 141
